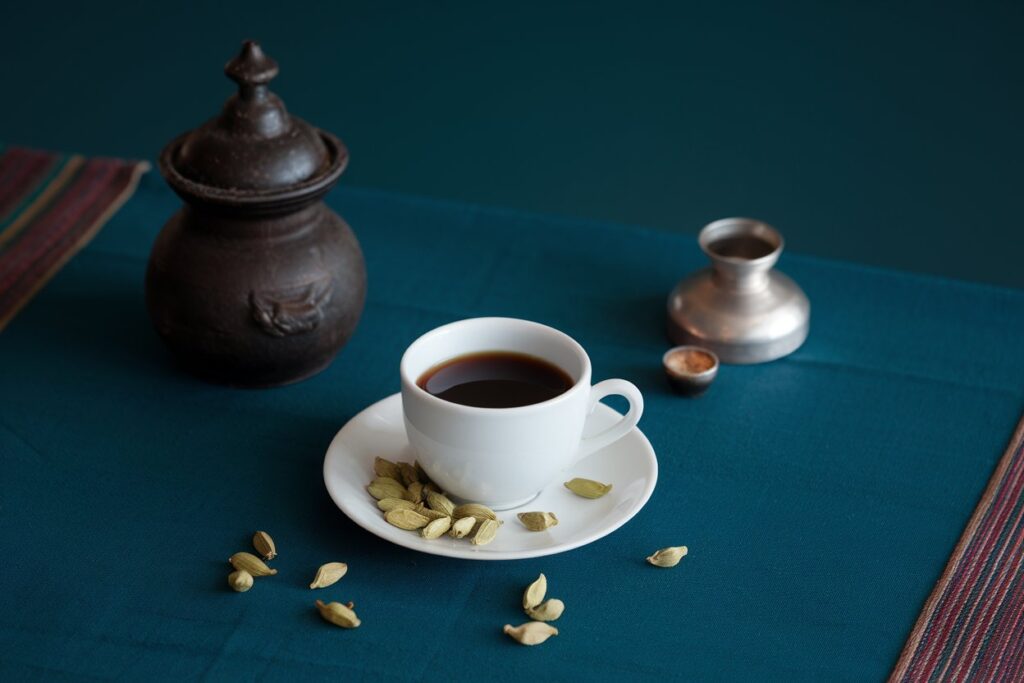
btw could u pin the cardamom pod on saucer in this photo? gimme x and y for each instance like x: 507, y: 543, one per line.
x: 531, y: 633
x: 383, y: 487
x: 409, y: 473
x: 389, y: 504
x: 462, y: 527
x: 440, y: 502
x: 437, y: 528
x: 588, y: 488
x: 386, y: 468
x: 409, y: 520
x: 481, y: 512
x: 415, y: 492
x: 486, y: 532
x: 428, y: 513
x: 538, y: 521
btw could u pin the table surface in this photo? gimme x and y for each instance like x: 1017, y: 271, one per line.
x: 819, y: 495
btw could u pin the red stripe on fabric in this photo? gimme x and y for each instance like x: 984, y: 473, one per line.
x: 929, y: 651
x: 977, y: 566
x: 1002, y: 636
x: 988, y: 580
x: 92, y: 195
x: 1014, y: 637
x: 55, y: 222
x: 988, y: 602
x: 925, y: 652
x: 25, y: 175
x: 945, y: 627
x: 997, y: 592
x: 1000, y: 592
x: 1011, y: 667
x: 72, y: 238
x: 13, y: 161
x: 11, y: 172
x: 965, y: 576
x: 997, y: 609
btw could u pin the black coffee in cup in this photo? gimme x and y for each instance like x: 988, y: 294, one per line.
x: 495, y: 379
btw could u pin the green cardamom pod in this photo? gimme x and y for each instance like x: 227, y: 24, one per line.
x: 409, y: 520
x: 387, y: 481
x: 486, y: 532
x: 531, y: 633
x: 481, y: 512
x: 549, y: 610
x: 428, y: 513
x: 240, y: 580
x: 386, y: 468
x: 247, y: 562
x: 264, y: 545
x: 437, y: 528
x: 329, y: 574
x: 431, y: 486
x: 338, y: 614
x: 382, y: 488
x: 668, y: 557
x: 409, y: 473
x: 534, y: 593
x: 462, y: 527
x: 538, y: 521
x: 421, y: 473
x: 440, y: 502
x: 389, y: 504
x: 415, y: 492
x: 588, y: 488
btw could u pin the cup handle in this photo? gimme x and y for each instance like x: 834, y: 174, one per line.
x: 618, y: 430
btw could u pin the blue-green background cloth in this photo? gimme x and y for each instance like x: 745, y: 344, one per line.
x: 881, y: 132
x: 819, y: 495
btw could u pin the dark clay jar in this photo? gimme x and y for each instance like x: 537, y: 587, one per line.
x: 255, y: 281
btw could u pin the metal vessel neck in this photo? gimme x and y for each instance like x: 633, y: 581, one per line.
x: 742, y: 253
x: 740, y: 278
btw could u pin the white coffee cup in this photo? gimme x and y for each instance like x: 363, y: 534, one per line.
x: 504, y: 457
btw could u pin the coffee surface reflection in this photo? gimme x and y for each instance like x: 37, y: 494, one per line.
x: 495, y: 379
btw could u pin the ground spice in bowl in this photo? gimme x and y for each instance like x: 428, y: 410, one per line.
x: 690, y: 362
x: 690, y: 369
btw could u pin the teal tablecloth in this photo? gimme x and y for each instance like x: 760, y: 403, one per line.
x: 820, y: 495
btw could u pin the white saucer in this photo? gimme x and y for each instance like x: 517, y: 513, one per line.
x: 629, y: 464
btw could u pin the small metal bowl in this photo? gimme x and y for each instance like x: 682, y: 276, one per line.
x: 690, y: 369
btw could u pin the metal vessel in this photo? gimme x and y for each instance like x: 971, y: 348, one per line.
x: 740, y: 307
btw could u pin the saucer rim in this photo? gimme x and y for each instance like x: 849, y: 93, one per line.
x: 413, y: 542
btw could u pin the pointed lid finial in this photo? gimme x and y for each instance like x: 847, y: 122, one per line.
x: 251, y: 67
x: 254, y: 144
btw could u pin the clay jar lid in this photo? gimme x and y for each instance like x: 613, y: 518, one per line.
x: 254, y: 153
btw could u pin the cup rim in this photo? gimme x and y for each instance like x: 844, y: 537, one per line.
x: 409, y: 382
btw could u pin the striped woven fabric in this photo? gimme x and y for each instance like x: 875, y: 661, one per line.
x: 51, y: 205
x: 972, y: 626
